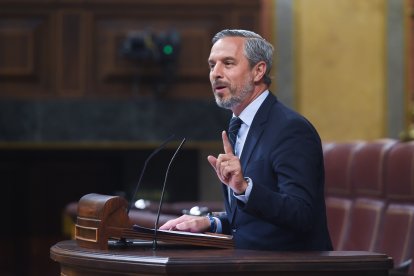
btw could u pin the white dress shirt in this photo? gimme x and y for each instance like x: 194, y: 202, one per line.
x: 247, y: 116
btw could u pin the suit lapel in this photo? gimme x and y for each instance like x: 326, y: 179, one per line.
x: 253, y: 137
x: 256, y: 130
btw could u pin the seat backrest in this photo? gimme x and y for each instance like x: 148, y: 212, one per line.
x: 338, y: 212
x: 397, y: 236
x: 366, y: 174
x: 399, y: 173
x: 365, y: 222
x: 338, y: 158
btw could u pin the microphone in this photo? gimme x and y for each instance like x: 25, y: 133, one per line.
x: 160, y: 147
x: 154, y: 243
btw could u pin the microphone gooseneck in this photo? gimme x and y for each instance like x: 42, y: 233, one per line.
x: 154, y: 244
x: 160, y: 147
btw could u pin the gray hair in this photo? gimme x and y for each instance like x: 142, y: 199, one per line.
x: 256, y: 49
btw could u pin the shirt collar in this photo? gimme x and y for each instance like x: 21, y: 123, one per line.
x: 247, y: 115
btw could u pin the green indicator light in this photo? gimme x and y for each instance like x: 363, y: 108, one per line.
x: 168, y: 49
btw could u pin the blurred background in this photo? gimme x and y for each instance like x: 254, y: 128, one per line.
x: 88, y: 88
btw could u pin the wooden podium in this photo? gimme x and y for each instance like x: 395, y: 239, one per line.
x: 102, y: 218
x: 103, y: 222
x: 170, y: 260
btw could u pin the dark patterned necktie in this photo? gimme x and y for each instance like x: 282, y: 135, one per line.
x: 234, y: 127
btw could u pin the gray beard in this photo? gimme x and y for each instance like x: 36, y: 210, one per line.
x: 235, y: 100
x: 227, y: 104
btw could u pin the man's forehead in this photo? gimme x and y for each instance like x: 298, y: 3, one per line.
x: 228, y: 41
x: 227, y: 47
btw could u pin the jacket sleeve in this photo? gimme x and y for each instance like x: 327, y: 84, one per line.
x: 225, y: 224
x: 289, y: 183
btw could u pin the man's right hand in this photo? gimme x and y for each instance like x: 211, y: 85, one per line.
x: 188, y: 223
x: 228, y: 167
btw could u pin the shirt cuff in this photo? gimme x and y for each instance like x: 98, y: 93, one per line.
x: 245, y: 197
x: 219, y: 228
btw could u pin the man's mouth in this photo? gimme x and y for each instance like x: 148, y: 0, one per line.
x: 218, y: 88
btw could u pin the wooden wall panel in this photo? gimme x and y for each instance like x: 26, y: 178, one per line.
x: 26, y: 54
x: 16, y: 52
x: 113, y: 71
x: 115, y: 74
x: 71, y: 53
x: 71, y: 48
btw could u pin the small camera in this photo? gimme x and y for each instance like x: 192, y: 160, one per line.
x: 161, y: 49
x: 149, y: 46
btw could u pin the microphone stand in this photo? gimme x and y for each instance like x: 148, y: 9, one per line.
x: 154, y: 243
x: 145, y: 166
x: 122, y: 242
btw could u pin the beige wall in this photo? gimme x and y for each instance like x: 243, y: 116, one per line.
x: 340, y: 67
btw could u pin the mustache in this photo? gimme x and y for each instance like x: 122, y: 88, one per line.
x: 220, y: 83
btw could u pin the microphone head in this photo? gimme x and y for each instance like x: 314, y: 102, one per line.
x: 158, y: 149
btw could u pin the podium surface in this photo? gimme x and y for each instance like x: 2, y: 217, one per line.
x: 176, y: 260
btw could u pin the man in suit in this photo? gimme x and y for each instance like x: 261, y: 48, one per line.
x: 273, y: 174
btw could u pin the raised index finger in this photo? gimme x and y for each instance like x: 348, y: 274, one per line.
x: 226, y: 143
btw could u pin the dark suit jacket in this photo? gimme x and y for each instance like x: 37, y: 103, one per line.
x: 286, y: 208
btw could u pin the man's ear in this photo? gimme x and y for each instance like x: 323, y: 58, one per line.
x: 259, y: 71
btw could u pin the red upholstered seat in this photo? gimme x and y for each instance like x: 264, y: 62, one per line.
x: 367, y: 168
x: 338, y: 158
x: 399, y: 173
x: 364, y: 225
x: 338, y: 211
x: 397, y: 236
x: 370, y: 198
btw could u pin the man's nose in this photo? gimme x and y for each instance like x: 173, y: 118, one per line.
x: 216, y: 72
